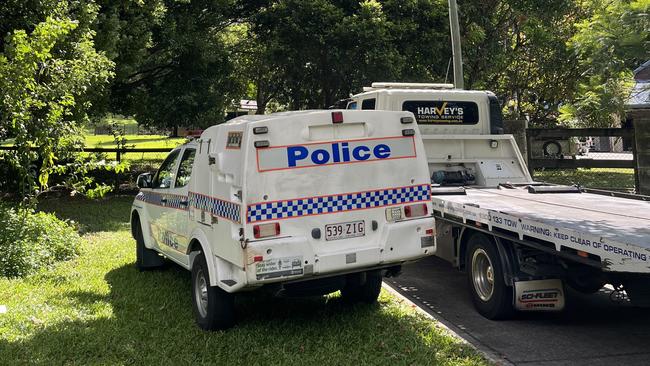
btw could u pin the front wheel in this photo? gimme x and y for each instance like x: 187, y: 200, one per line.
x: 214, y: 308
x: 490, y: 294
x: 368, y: 292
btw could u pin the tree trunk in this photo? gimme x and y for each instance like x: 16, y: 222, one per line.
x: 261, y: 101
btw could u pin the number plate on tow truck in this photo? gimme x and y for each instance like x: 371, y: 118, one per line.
x: 345, y: 230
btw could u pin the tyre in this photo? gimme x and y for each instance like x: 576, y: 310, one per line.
x: 145, y: 258
x: 552, y: 149
x: 490, y: 294
x: 367, y: 292
x: 214, y: 308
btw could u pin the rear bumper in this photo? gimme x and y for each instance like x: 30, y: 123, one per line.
x: 295, y: 258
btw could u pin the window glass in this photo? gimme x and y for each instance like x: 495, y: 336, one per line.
x: 368, y: 104
x: 165, y: 175
x: 185, y: 168
x: 352, y: 105
x: 439, y: 112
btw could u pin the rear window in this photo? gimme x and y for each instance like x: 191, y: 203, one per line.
x: 442, y: 112
x: 368, y: 104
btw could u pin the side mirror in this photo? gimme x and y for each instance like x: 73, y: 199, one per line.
x: 145, y: 180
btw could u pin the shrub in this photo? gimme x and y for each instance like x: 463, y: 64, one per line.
x: 31, y: 240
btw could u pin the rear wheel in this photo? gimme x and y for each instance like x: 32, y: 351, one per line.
x: 490, y: 294
x: 145, y: 258
x: 214, y: 308
x: 367, y: 292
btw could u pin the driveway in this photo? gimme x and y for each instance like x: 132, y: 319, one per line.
x: 593, y: 330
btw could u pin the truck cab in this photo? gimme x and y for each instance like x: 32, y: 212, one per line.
x: 439, y: 109
x: 302, y: 203
x: 462, y: 131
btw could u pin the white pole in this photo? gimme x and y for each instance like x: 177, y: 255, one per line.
x: 455, y: 45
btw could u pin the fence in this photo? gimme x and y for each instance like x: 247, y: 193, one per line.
x: 119, y: 153
x: 593, y: 157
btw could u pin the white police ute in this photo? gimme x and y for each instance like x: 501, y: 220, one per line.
x: 303, y: 203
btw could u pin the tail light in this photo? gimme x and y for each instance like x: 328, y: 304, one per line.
x: 419, y: 209
x: 337, y: 117
x: 266, y: 230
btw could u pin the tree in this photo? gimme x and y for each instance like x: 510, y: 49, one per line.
x: 46, y: 76
x: 610, y: 43
x: 319, y: 51
x: 173, y: 68
x: 518, y: 50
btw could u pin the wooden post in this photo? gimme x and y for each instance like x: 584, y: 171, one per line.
x: 641, y: 123
x: 517, y: 128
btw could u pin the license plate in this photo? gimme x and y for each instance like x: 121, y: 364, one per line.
x: 345, y: 230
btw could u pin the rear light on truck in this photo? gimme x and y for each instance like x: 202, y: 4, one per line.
x: 419, y: 209
x: 337, y: 117
x: 266, y: 230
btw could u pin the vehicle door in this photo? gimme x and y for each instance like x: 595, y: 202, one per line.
x: 161, y: 204
x: 179, y: 201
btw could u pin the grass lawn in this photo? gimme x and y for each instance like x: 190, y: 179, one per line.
x: 605, y: 178
x: 137, y: 141
x: 98, y: 309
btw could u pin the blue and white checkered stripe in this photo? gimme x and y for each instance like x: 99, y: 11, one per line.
x: 225, y: 209
x: 336, y: 203
x: 173, y: 200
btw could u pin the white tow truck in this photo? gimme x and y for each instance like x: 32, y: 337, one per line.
x: 302, y: 203
x: 518, y: 240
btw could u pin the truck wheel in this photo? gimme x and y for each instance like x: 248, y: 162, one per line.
x: 552, y: 149
x: 145, y: 258
x: 491, y: 297
x: 214, y: 308
x: 368, y: 292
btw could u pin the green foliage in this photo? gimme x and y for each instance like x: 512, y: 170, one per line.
x: 518, y: 50
x: 613, y: 40
x: 172, y: 67
x: 48, y: 77
x: 32, y: 240
x: 319, y: 51
x: 599, y: 103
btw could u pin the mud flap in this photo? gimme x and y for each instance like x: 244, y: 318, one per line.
x: 539, y: 295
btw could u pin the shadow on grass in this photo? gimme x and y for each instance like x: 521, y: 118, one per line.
x: 150, y: 321
x: 108, y: 214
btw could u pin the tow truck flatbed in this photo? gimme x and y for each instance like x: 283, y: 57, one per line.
x: 616, y: 231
